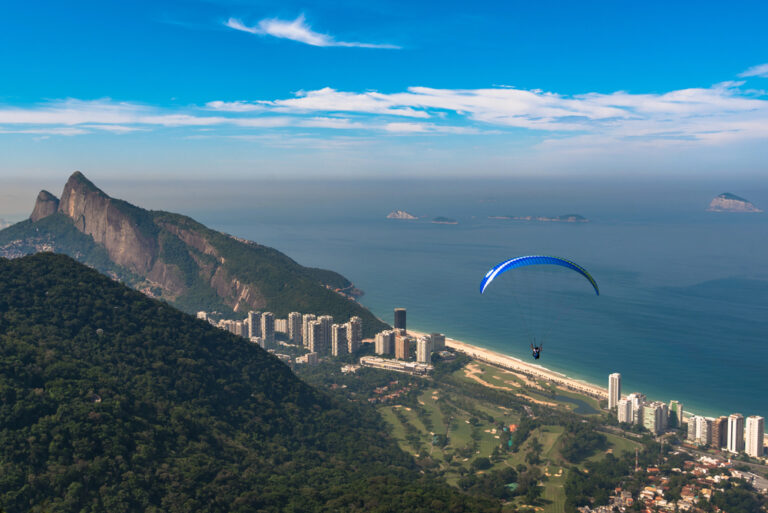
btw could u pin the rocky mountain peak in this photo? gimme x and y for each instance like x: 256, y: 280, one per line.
x: 46, y: 204
x: 110, y: 222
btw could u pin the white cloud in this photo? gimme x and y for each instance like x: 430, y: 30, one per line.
x: 720, y: 114
x: 67, y: 131
x: 761, y: 70
x: 234, y: 106
x: 297, y: 30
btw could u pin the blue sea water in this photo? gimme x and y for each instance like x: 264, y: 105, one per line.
x: 683, y: 309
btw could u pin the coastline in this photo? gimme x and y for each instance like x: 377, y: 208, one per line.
x: 517, y: 365
x: 534, y: 370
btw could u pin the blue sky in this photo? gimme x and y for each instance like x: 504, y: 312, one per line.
x: 256, y: 88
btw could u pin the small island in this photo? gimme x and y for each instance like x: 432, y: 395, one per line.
x: 727, y: 202
x: 568, y: 218
x: 401, y: 214
x: 444, y: 220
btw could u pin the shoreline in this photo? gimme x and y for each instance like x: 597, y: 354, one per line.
x: 517, y: 365
x: 538, y: 371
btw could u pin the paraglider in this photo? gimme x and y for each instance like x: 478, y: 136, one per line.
x: 524, y: 261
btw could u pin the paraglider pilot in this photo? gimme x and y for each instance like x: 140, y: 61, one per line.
x: 536, y: 351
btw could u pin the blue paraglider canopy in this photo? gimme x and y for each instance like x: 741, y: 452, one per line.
x: 534, y: 260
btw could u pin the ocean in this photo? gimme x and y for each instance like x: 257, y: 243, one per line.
x: 683, y: 309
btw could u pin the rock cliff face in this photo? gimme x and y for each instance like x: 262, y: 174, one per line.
x: 728, y: 202
x: 175, y: 258
x: 46, y: 204
x: 112, y: 224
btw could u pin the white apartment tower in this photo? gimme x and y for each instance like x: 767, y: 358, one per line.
x: 637, y: 406
x: 614, y: 390
x: 305, y: 320
x: 354, y: 333
x: 735, y: 433
x: 315, y: 337
x: 385, y: 342
x: 438, y: 342
x: 294, y: 328
x: 339, y: 339
x: 254, y: 324
x: 326, y: 321
x: 268, y: 327
x: 424, y: 350
x: 624, y: 411
x: 753, y: 436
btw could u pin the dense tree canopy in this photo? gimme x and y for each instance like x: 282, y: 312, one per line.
x: 110, y: 401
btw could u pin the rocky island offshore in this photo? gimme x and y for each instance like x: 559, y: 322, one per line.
x: 401, y: 214
x: 568, y: 218
x: 727, y: 202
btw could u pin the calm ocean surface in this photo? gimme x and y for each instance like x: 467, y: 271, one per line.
x: 683, y: 310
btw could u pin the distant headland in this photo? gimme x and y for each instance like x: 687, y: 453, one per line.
x: 444, y: 220
x: 401, y: 214
x: 727, y: 202
x: 568, y: 218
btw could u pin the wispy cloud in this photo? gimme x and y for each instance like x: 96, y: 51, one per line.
x: 761, y: 70
x: 720, y: 114
x: 298, y: 30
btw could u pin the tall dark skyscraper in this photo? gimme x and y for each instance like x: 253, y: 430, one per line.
x: 399, y: 318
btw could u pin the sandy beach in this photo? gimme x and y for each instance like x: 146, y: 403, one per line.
x: 517, y: 365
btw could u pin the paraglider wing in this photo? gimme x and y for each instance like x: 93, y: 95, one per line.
x: 534, y: 260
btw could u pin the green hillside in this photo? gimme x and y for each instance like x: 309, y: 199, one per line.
x: 177, y: 259
x: 110, y: 401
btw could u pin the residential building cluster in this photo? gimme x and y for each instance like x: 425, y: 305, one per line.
x: 731, y: 433
x: 318, y: 334
x: 705, y: 476
x: 398, y: 343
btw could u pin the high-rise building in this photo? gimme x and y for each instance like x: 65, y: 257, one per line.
x: 239, y: 329
x: 315, y: 337
x: 312, y: 358
x: 268, y: 327
x: 305, y: 320
x: 719, y: 432
x: 254, y: 324
x: 438, y: 342
x: 624, y: 410
x: 400, y: 318
x: 402, y: 347
x: 676, y: 409
x: 424, y: 350
x: 385, y: 342
x: 692, y: 428
x: 281, y: 326
x: 339, y: 344
x: 614, y: 390
x: 259, y: 341
x: 753, y: 436
x: 326, y: 321
x: 653, y: 417
x: 735, y: 433
x: 294, y: 328
x: 704, y: 430
x: 354, y: 333
x: 637, y: 407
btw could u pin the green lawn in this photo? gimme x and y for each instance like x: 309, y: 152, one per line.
x: 449, y: 413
